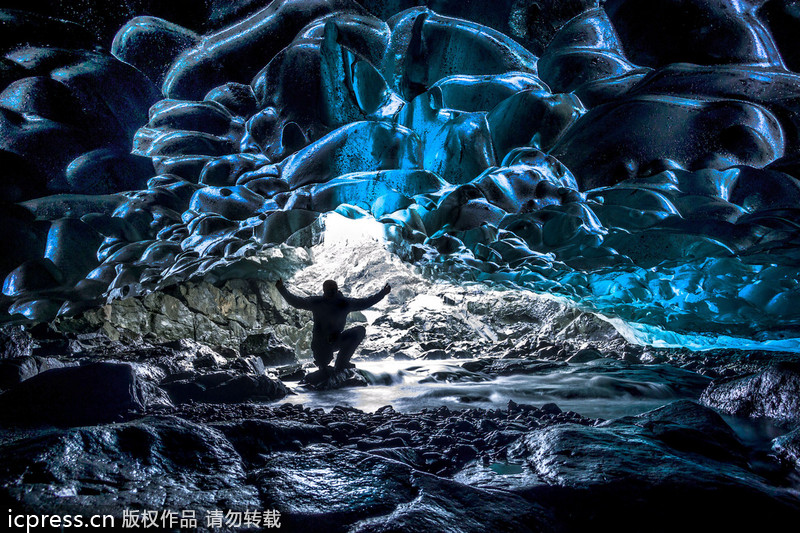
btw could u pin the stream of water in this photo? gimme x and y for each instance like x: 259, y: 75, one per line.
x: 603, y: 389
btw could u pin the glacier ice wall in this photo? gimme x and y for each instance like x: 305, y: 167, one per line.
x: 646, y: 170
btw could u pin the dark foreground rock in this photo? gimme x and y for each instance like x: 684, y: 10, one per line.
x: 788, y: 448
x: 267, y: 347
x: 517, y: 469
x: 153, y: 462
x: 223, y: 387
x: 315, y: 492
x: 89, y: 394
x: 330, y: 379
x: 17, y: 370
x: 773, y: 392
x: 638, y: 470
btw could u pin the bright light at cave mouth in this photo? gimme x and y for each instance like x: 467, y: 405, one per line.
x: 343, y: 231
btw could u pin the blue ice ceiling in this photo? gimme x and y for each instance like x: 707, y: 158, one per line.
x: 647, y: 172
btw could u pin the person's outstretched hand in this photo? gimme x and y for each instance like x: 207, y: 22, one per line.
x: 279, y: 283
x: 387, y: 289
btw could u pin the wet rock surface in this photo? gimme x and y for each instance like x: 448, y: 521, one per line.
x: 670, y: 451
x: 421, y: 469
x: 194, y: 428
x: 153, y: 461
x: 773, y: 392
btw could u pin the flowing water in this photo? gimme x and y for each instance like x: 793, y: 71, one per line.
x: 603, y: 389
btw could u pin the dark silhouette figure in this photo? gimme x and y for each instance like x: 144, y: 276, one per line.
x: 330, y: 314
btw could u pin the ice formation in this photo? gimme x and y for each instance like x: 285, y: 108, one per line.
x: 652, y: 183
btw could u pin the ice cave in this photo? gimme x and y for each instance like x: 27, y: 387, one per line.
x: 585, y: 215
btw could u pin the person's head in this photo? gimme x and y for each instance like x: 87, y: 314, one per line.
x: 330, y: 288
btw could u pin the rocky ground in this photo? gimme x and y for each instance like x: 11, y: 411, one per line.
x: 93, y: 424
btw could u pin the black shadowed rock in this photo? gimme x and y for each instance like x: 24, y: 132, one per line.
x: 675, y: 457
x: 266, y: 346
x: 327, y: 380
x: 222, y: 387
x: 88, y: 394
x: 149, y: 461
x: 788, y: 448
x: 17, y: 370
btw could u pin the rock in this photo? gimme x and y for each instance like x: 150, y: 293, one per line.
x: 551, y: 409
x: 647, y: 471
x: 15, y: 342
x: 253, y: 438
x: 88, y: 394
x: 684, y: 425
x: 154, y: 461
x: 433, y: 355
x: 223, y: 387
x: 584, y: 355
x: 452, y: 374
x: 17, y: 370
x: 788, y: 447
x: 773, y: 392
x: 651, y: 357
x: 445, y: 505
x: 630, y: 358
x: 330, y: 379
x: 314, y: 489
x: 547, y: 352
x: 268, y: 348
x: 215, y: 314
x: 507, y: 367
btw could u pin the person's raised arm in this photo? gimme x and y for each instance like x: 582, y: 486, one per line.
x: 291, y: 299
x: 359, y: 304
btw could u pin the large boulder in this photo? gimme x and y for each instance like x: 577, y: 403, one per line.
x: 88, y: 394
x: 623, y: 473
x: 773, y: 392
x: 17, y: 370
x: 788, y: 447
x: 153, y: 463
x: 268, y: 348
x: 223, y: 387
x: 15, y: 342
x: 314, y: 490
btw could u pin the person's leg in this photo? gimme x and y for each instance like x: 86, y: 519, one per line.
x: 323, y: 354
x: 348, y: 343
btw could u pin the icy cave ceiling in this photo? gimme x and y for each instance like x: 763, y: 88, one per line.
x: 638, y: 158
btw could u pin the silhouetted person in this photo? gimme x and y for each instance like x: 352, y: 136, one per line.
x: 330, y: 314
